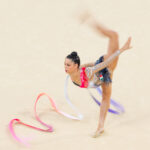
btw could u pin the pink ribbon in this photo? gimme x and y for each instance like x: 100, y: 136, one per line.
x: 50, y: 128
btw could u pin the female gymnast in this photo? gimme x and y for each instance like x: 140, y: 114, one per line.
x: 99, y: 73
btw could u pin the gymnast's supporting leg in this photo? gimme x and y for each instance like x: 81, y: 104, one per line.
x: 113, y: 46
x: 106, y: 95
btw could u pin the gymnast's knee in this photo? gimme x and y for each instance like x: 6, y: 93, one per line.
x: 114, y: 35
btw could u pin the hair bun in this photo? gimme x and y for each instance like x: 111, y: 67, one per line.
x: 74, y: 54
x: 74, y: 57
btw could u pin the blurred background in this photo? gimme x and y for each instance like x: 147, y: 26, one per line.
x: 36, y: 36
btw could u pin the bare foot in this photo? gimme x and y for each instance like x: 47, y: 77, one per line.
x: 98, y: 133
x: 127, y: 45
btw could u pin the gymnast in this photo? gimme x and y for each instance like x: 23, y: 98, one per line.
x: 99, y: 73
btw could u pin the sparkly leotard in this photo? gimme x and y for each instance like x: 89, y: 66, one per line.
x: 90, y: 80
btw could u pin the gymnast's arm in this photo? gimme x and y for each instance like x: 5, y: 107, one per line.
x: 104, y: 64
x: 87, y: 65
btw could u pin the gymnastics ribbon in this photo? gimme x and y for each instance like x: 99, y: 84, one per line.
x: 49, y: 127
x: 79, y: 115
x: 115, y: 104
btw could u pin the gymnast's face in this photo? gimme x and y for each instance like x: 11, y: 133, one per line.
x: 70, y: 66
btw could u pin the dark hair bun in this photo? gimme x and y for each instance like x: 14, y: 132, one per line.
x: 74, y: 57
x: 74, y: 54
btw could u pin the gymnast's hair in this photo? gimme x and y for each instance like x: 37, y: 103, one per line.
x: 74, y: 57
